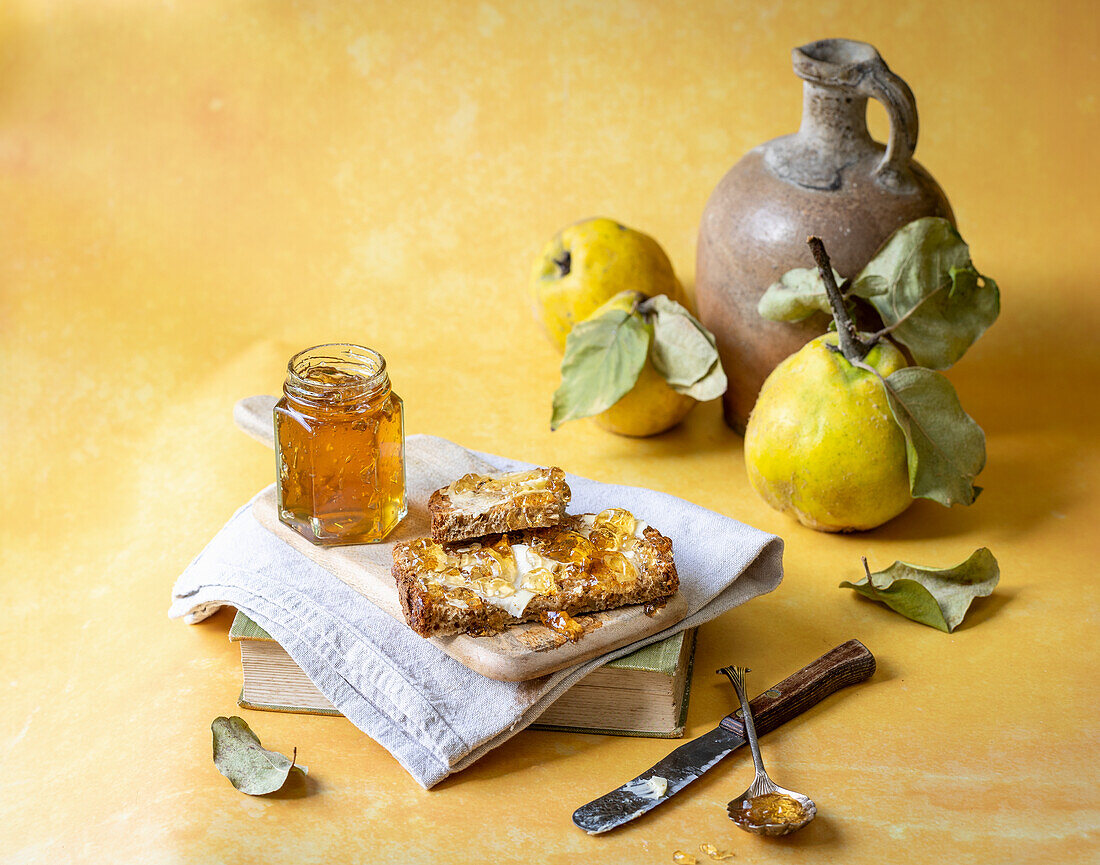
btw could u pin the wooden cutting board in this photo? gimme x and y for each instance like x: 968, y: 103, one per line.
x: 519, y: 653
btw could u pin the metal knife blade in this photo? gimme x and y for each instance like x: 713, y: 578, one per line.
x: 847, y: 664
x: 679, y: 768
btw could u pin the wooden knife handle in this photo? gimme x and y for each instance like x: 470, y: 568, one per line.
x: 847, y: 664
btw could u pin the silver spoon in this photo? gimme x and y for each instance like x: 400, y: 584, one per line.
x: 765, y: 808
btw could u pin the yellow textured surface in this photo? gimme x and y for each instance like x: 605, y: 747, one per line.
x: 191, y: 191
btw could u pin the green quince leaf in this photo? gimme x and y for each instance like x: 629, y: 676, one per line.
x: 799, y: 294
x: 938, y: 597
x: 683, y: 351
x: 936, y: 301
x: 249, y: 768
x: 603, y: 358
x: 944, y: 446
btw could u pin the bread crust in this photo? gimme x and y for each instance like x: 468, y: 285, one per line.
x: 451, y: 525
x: 430, y: 610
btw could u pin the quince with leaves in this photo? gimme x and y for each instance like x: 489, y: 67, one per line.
x: 637, y: 365
x: 844, y: 434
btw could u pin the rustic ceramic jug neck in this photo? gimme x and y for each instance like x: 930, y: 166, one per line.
x: 839, y: 76
x: 834, y: 120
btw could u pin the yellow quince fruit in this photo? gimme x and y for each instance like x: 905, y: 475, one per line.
x: 589, y: 262
x: 821, y: 442
x: 649, y: 408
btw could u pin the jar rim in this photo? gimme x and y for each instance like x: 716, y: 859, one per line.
x: 369, y: 365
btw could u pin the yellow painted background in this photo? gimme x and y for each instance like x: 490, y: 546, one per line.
x: 192, y: 191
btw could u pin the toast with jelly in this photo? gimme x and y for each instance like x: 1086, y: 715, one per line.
x: 477, y: 505
x: 586, y: 563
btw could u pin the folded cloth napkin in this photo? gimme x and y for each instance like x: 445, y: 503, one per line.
x: 433, y: 714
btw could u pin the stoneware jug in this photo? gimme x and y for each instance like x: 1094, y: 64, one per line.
x: 829, y: 178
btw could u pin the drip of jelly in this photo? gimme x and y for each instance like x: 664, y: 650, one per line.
x: 562, y: 623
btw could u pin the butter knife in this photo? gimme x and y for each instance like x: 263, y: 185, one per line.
x: 847, y: 664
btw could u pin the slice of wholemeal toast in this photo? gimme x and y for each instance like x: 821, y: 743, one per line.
x: 477, y: 505
x: 589, y: 562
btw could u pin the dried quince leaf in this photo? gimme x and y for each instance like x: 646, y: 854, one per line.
x: 603, y: 358
x: 801, y: 292
x: 250, y: 768
x: 683, y: 350
x: 938, y: 597
x: 711, y: 385
x: 944, y: 446
x: 928, y: 292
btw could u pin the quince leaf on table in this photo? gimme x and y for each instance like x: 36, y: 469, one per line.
x: 249, y: 767
x: 928, y: 292
x: 937, y: 597
x: 683, y: 350
x: 944, y: 446
x: 603, y: 357
x: 801, y: 292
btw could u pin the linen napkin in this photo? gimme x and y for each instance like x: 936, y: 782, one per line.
x: 433, y: 714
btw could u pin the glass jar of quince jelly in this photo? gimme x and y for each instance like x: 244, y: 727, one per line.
x: 340, y: 446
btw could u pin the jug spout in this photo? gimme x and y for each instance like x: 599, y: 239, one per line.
x: 834, y: 62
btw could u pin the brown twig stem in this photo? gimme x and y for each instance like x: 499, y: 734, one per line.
x: 870, y: 582
x: 851, y: 346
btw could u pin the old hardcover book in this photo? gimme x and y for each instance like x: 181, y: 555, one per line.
x: 642, y: 694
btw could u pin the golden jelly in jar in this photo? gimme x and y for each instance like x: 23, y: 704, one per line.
x: 340, y: 447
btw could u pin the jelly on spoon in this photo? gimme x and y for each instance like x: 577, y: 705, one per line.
x: 765, y: 808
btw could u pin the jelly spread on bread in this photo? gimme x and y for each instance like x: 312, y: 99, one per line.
x: 537, y: 488
x: 595, y: 553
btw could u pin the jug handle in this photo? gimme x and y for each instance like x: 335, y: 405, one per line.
x: 881, y: 84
